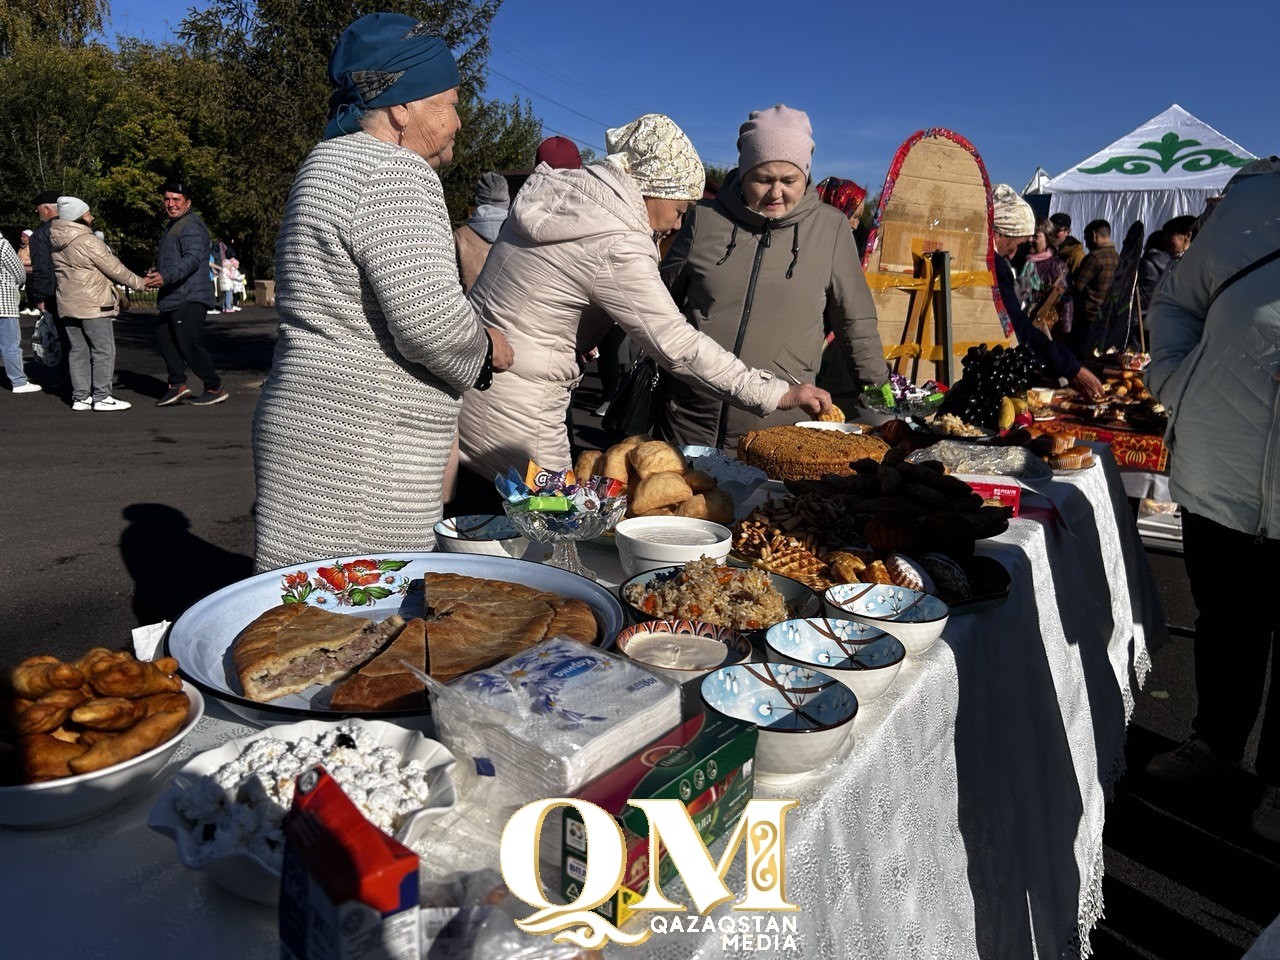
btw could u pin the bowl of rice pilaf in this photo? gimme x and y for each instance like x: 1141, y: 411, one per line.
x: 743, y: 598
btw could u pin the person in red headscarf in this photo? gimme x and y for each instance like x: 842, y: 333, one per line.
x: 849, y: 198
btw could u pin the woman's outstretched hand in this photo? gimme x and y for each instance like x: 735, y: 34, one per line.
x: 814, y: 400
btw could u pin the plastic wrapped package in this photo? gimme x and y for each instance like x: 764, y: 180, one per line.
x: 471, y: 916
x: 544, y: 722
x: 972, y: 458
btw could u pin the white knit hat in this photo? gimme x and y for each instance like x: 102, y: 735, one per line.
x: 779, y: 133
x: 71, y: 208
x: 1011, y: 216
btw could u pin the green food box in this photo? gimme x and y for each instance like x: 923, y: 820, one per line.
x: 706, y: 762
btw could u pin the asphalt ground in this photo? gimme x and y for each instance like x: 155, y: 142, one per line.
x: 112, y: 520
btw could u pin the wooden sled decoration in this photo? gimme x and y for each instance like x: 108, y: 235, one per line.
x: 936, y: 197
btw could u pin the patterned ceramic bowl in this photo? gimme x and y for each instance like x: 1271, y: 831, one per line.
x: 658, y: 645
x: 864, y: 658
x: 917, y: 619
x: 803, y: 716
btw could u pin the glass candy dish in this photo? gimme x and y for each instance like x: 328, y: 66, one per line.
x: 563, y: 530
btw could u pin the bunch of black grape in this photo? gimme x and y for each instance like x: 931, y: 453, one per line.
x: 990, y: 374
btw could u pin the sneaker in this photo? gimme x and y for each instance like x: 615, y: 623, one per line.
x: 1266, y: 819
x: 79, y: 405
x: 1192, y: 761
x: 111, y: 403
x: 212, y: 313
x: 209, y: 398
x: 28, y: 387
x: 174, y: 395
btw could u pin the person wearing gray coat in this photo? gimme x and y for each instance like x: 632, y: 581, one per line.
x: 186, y: 295
x: 764, y: 270
x: 1215, y: 364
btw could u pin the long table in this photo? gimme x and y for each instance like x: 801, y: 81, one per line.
x: 964, y: 821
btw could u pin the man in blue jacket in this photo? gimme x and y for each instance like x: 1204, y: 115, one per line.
x: 186, y: 295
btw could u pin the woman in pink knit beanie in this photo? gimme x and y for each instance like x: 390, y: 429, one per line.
x: 765, y: 269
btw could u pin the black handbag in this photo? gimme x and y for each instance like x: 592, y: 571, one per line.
x: 635, y: 409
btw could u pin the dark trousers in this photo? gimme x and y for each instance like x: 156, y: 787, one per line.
x: 473, y: 495
x: 1236, y: 629
x: 180, y: 336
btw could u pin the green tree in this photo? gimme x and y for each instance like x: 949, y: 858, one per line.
x: 273, y: 56
x: 65, y: 22
x: 494, y: 136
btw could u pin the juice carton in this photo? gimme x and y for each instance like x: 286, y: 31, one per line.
x: 348, y: 891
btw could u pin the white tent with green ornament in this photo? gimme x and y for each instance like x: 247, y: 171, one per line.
x: 1168, y: 167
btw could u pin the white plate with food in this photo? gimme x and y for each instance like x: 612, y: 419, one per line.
x: 73, y: 799
x: 252, y: 632
x: 225, y: 806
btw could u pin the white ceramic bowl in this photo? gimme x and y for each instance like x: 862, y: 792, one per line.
x: 803, y: 715
x: 647, y: 543
x: 57, y: 803
x: 244, y: 873
x: 836, y: 426
x: 737, y: 648
x: 485, y: 534
x: 862, y: 657
x: 917, y: 619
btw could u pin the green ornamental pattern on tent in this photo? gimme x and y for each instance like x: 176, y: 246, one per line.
x: 1169, y: 151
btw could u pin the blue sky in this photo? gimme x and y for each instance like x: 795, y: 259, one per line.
x: 1027, y: 83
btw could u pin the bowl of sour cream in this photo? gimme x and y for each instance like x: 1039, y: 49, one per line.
x: 682, y: 649
x: 647, y: 543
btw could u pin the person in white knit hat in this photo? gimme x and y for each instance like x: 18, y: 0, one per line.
x: 88, y: 303
x: 577, y: 254
x: 766, y: 269
x: 1012, y: 224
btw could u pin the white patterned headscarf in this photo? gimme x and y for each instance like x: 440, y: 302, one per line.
x: 1011, y: 216
x: 658, y: 156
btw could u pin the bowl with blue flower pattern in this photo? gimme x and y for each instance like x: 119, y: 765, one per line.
x: 862, y: 657
x: 915, y: 618
x: 803, y: 715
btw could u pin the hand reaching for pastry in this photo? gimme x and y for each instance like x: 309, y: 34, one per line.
x: 813, y: 400
x: 1087, y: 383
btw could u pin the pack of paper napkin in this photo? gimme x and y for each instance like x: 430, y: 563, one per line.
x: 546, y: 721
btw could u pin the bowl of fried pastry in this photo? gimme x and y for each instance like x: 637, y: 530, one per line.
x: 81, y: 736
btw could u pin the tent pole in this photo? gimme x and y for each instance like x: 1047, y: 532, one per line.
x: 942, y: 310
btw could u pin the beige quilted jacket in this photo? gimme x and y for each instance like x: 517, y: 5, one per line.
x: 575, y: 255
x: 85, y: 269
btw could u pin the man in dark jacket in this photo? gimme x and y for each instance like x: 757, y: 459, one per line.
x: 42, y: 287
x: 1091, y: 282
x: 186, y: 296
x: 1069, y: 250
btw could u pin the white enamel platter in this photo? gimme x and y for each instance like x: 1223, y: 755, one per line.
x: 369, y: 585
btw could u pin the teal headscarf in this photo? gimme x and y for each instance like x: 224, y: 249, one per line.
x: 381, y: 60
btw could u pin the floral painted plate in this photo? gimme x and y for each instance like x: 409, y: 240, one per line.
x: 373, y: 586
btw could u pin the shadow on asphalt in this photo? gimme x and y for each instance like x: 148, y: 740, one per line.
x: 1185, y: 876
x: 170, y: 566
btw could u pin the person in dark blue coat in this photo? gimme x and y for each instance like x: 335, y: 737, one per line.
x: 186, y: 296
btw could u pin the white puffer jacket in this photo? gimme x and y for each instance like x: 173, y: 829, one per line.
x: 576, y: 253
x: 1215, y: 367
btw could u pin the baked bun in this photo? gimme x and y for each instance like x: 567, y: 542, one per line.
x: 715, y: 505
x: 656, y: 456
x: 659, y: 490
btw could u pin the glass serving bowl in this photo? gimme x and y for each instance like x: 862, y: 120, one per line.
x: 564, y: 530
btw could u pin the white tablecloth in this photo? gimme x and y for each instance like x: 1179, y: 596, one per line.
x: 966, y: 821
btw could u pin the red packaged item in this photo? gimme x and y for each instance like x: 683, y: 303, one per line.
x: 347, y: 891
x: 1002, y: 494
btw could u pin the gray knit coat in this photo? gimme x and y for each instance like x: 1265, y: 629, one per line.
x: 376, y: 346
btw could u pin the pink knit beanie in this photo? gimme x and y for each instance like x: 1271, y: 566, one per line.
x: 778, y: 133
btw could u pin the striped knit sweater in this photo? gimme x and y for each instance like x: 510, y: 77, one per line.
x: 376, y: 345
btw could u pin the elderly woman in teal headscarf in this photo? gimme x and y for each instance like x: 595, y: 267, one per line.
x: 377, y: 343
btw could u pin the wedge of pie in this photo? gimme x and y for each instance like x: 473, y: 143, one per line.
x: 294, y: 645
x: 384, y: 683
x: 477, y: 623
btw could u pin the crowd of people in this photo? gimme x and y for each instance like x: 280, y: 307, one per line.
x: 415, y: 361
x: 75, y: 284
